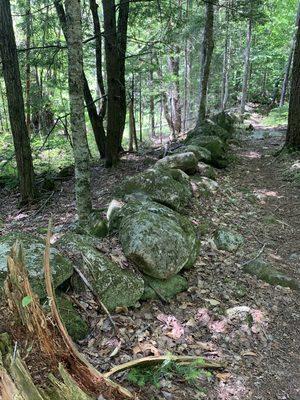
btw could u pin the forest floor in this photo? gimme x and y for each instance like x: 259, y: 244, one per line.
x: 262, y: 357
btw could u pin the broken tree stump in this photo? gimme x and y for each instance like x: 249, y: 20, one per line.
x: 74, y: 377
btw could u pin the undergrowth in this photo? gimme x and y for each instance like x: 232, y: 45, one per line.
x: 169, y: 370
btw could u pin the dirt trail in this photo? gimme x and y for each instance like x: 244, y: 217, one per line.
x: 277, y: 376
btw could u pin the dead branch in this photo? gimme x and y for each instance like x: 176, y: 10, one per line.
x: 152, y: 360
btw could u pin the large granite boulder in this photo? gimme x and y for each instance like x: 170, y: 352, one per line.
x: 187, y: 162
x: 201, y: 153
x: 158, y: 240
x: 170, y: 187
x: 163, y: 289
x: 34, y: 248
x: 114, y: 285
x: 214, y: 144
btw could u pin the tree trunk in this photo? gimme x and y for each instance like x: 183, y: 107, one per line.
x: 289, y: 64
x: 173, y: 63
x: 187, y: 73
x: 206, y: 56
x: 27, y: 68
x: 140, y: 108
x: 15, y: 101
x: 114, y: 107
x: 101, y: 139
x: 95, y: 118
x: 293, y: 131
x: 115, y: 51
x: 246, y: 67
x: 165, y: 104
x: 122, y: 47
x: 152, y: 106
x: 226, y: 64
x: 78, y: 128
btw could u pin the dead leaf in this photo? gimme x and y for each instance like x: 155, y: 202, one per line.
x: 146, y: 347
x: 223, y: 376
x: 248, y: 354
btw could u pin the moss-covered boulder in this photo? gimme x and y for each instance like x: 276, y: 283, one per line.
x: 214, y: 144
x: 34, y: 248
x: 206, y: 170
x: 170, y: 187
x: 114, y: 285
x: 95, y: 225
x: 201, y: 153
x: 225, y: 121
x: 206, y: 186
x: 166, y: 289
x: 157, y: 239
x: 269, y: 274
x: 76, y: 326
x: 228, y: 240
x: 187, y: 162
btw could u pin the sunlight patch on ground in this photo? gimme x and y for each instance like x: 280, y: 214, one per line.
x: 263, y: 194
x: 251, y: 154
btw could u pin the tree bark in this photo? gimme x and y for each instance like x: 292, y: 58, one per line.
x: 95, y: 118
x: 206, y: 57
x: 293, y: 131
x: 289, y: 64
x: 187, y: 73
x: 78, y: 128
x: 27, y: 68
x: 15, y: 101
x: 173, y: 63
x: 226, y: 64
x: 152, y: 106
x: 164, y: 99
x: 246, y: 67
x: 122, y: 47
x: 115, y: 51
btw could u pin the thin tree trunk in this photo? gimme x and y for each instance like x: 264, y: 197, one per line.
x: 173, y: 63
x: 27, y: 69
x: 165, y: 104
x: 152, y: 106
x: 289, y: 64
x: 11, y: 73
x: 122, y: 47
x: 293, y: 131
x: 95, y: 118
x: 78, y: 128
x: 246, y: 67
x: 140, y: 109
x: 187, y: 72
x: 206, y: 56
x: 226, y: 64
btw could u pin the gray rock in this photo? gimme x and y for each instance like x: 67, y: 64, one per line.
x: 166, y: 289
x: 114, y: 285
x: 170, y: 187
x: 157, y: 239
x: 214, y: 144
x: 269, y: 274
x: 34, y: 248
x: 187, y: 162
x: 206, y: 170
x: 201, y: 153
x: 228, y: 240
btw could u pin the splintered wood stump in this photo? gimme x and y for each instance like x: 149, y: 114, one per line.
x: 74, y: 378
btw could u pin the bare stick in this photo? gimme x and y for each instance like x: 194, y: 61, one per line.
x: 152, y: 360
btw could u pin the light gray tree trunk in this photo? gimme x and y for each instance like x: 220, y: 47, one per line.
x: 246, y: 67
x: 226, y: 65
x: 78, y: 128
x: 187, y: 74
x: 173, y: 64
x: 206, y: 56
